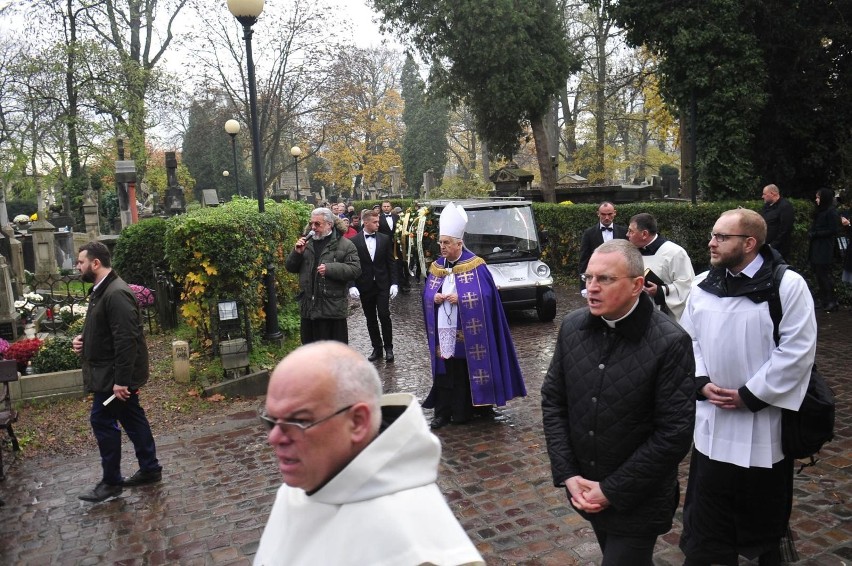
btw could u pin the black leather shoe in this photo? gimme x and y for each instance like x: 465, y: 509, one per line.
x: 143, y: 477
x: 406, y: 290
x: 389, y: 355
x: 439, y: 421
x: 101, y: 492
x: 831, y: 307
x: 376, y: 355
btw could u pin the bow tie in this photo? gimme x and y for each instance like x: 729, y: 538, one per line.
x: 369, y: 235
x: 606, y: 228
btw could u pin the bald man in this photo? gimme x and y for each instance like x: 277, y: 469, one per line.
x: 359, y: 469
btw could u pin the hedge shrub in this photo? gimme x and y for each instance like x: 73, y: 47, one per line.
x: 685, y: 224
x: 138, y: 249
x: 223, y: 252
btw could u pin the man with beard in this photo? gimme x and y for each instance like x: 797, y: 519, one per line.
x: 740, y: 490
x: 115, y: 365
x: 326, y: 262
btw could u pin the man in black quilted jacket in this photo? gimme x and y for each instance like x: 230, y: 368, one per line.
x: 618, y: 406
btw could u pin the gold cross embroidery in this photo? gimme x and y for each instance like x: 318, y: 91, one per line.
x: 465, y: 277
x: 481, y: 377
x: 474, y: 326
x: 470, y: 299
x: 477, y: 352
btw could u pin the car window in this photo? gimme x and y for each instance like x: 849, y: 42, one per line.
x: 503, y: 232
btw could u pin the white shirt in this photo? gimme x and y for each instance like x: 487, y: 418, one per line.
x: 732, y: 338
x: 371, y: 245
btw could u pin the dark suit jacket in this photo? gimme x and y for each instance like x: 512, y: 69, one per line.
x: 592, y: 238
x: 376, y: 274
x: 384, y: 228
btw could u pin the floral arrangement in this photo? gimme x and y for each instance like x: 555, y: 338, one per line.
x: 55, y: 354
x: 566, y: 203
x: 26, y: 304
x: 22, y: 352
x: 34, y: 216
x: 4, y: 346
x: 70, y: 313
x: 144, y: 295
x: 21, y: 219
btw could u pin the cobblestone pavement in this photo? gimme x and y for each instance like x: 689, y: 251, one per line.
x: 220, y: 477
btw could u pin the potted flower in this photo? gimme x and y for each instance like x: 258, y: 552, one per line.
x: 22, y: 222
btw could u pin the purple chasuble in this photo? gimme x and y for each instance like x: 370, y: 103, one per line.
x: 495, y: 376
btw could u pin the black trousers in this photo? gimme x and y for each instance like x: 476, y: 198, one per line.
x: 618, y: 549
x: 131, y: 415
x: 825, y: 282
x: 452, y: 391
x: 376, y: 307
x: 730, y: 511
x: 314, y: 330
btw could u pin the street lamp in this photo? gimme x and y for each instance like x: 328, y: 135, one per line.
x: 296, y: 151
x: 233, y: 128
x: 246, y: 12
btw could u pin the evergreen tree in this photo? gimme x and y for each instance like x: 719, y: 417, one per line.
x: 424, y: 145
x: 207, y: 152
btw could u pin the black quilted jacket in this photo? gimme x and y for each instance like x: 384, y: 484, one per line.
x: 619, y: 408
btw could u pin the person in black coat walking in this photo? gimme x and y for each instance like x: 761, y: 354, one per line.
x: 618, y: 408
x: 376, y: 285
x: 823, y: 235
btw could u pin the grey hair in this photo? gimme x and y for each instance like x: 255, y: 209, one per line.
x: 326, y: 214
x: 630, y: 253
x: 357, y: 381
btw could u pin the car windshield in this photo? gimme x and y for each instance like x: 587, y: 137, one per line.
x: 501, y: 233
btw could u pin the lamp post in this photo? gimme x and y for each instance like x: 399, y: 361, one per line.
x: 296, y: 151
x: 233, y: 128
x: 246, y: 12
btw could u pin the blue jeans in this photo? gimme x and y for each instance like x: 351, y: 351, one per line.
x: 105, y: 421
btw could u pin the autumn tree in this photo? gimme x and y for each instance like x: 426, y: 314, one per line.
x: 504, y: 59
x: 362, y: 110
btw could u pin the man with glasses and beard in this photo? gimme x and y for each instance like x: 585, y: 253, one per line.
x: 618, y: 407
x: 740, y: 490
x: 359, y: 469
x: 326, y: 261
x: 115, y: 365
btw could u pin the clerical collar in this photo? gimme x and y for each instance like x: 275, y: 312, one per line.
x: 611, y: 323
x: 751, y: 269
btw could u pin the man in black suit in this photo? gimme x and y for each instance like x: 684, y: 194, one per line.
x: 388, y: 222
x: 377, y: 284
x: 604, y: 231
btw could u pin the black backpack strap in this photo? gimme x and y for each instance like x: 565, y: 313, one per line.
x: 775, y: 300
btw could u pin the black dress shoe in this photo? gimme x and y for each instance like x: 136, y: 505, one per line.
x: 831, y: 307
x: 101, y: 492
x: 389, y: 355
x: 439, y: 421
x: 143, y: 477
x: 377, y: 354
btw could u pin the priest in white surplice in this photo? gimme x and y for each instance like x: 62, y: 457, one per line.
x: 359, y: 470
x: 739, y: 495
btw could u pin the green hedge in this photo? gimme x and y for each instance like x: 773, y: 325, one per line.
x: 685, y: 224
x: 138, y: 249
x: 222, y: 253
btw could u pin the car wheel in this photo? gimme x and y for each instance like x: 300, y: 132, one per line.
x: 545, y: 306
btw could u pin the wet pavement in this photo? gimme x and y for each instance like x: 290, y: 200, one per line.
x: 220, y: 477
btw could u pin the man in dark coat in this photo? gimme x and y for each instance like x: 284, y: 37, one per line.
x: 115, y: 366
x: 779, y: 216
x: 604, y: 231
x: 618, y: 408
x: 376, y: 285
x: 326, y: 262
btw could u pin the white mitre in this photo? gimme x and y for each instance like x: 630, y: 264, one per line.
x: 452, y: 221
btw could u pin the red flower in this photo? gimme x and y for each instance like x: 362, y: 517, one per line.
x: 22, y: 352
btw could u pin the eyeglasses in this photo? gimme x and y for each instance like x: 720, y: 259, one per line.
x: 722, y: 237
x: 288, y: 426
x: 318, y: 223
x: 603, y: 280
